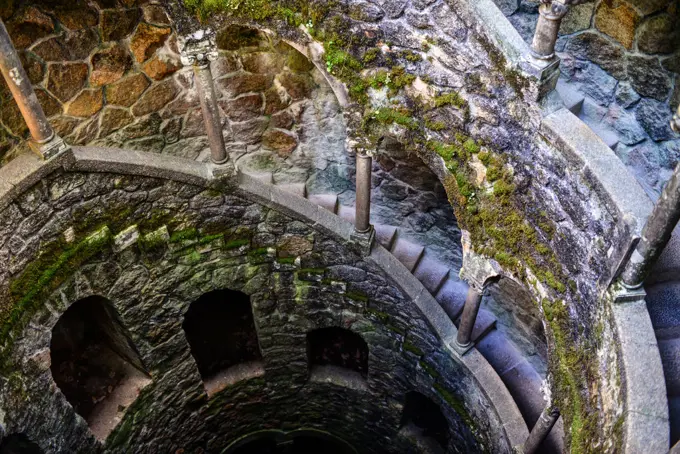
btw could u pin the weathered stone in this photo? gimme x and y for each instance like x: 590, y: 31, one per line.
x: 625, y: 124
x: 367, y: 12
x: 275, y: 101
x: 114, y: 118
x: 393, y: 8
x: 33, y: 67
x: 52, y: 49
x: 282, y: 142
x: 294, y: 246
x: 618, y: 21
x: 625, y: 95
x: 672, y: 63
x: 239, y: 84
x: 66, y: 79
x: 51, y: 106
x: 109, y: 65
x: 234, y: 37
x: 156, y: 15
x: 655, y: 117
x: 648, y: 77
x: 171, y: 130
x: 147, y: 39
x: 80, y: 43
x: 422, y: 4
x: 243, y: 108
x: 161, y: 66
x: 647, y: 7
x: 63, y: 126
x: 282, y: 120
x: 86, y: 104
x: 76, y: 15
x: 298, y: 86
x: 187, y: 148
x: 117, y: 24
x: 12, y: 119
x: 418, y: 20
x: 156, y: 98
x: 595, y: 82
x: 226, y: 63
x: 508, y: 7
x: 659, y: 34
x: 599, y: 50
x: 29, y: 25
x: 127, y: 91
x: 86, y: 133
x: 147, y: 144
x: 148, y: 126
x: 194, y: 124
x: 250, y: 131
x: 298, y: 62
x: 577, y: 18
x: 262, y: 62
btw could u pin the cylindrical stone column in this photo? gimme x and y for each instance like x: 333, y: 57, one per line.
x: 362, y: 222
x: 655, y: 234
x: 675, y: 122
x: 541, y: 429
x: 548, y: 25
x: 22, y: 90
x: 211, y: 114
x: 467, y: 321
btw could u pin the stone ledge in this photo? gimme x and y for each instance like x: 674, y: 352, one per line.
x: 338, y: 376
x: 617, y: 188
x: 233, y: 375
x: 646, y: 423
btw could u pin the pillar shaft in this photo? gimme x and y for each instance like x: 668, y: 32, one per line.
x: 467, y: 320
x: 541, y: 429
x: 548, y: 25
x: 655, y: 234
x: 211, y: 114
x: 675, y: 122
x: 363, y: 198
x: 22, y: 90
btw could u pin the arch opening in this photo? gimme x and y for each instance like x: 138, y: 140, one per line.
x: 95, y: 364
x: 423, y: 418
x: 337, y: 348
x: 299, y: 441
x: 220, y: 329
x: 19, y: 444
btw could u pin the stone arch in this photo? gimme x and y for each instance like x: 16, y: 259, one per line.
x: 423, y: 418
x: 95, y: 364
x: 18, y: 444
x: 338, y: 348
x: 220, y: 329
x: 279, y: 442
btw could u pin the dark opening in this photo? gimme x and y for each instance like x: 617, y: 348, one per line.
x: 221, y: 331
x: 304, y: 442
x: 337, y: 347
x: 425, y: 416
x: 93, y: 359
x: 19, y: 444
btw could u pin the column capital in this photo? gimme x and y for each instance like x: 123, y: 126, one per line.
x: 198, y: 48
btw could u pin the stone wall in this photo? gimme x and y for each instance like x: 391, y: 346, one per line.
x: 624, y: 56
x: 70, y: 236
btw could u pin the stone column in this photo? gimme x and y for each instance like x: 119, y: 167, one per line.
x: 467, y: 321
x: 44, y: 140
x: 199, y: 50
x: 541, y: 429
x: 550, y: 17
x: 362, y: 222
x: 655, y: 234
x: 675, y: 122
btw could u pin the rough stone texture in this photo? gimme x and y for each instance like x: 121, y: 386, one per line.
x: 659, y: 34
x: 65, y: 80
x: 648, y: 77
x: 155, y: 98
x: 86, y: 104
x: 619, y: 22
x: 288, y: 300
x: 127, y: 91
x: 109, y: 65
x: 118, y: 24
x: 147, y: 39
x: 161, y: 66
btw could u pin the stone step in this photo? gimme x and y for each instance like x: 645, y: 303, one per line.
x: 431, y: 273
x: 327, y: 201
x: 298, y: 189
x: 347, y: 213
x: 499, y: 352
x: 667, y: 268
x: 670, y: 358
x: 524, y: 384
x: 451, y: 297
x: 385, y: 234
x: 484, y: 324
x: 663, y: 300
x: 265, y: 177
x: 608, y: 136
x: 407, y: 253
x: 572, y: 98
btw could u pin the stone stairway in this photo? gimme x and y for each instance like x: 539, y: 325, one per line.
x: 523, y: 382
x: 663, y: 304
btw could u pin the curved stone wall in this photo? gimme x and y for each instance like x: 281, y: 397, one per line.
x: 152, y: 246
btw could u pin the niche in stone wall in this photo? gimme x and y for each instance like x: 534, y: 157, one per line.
x: 338, y: 355
x: 220, y: 329
x: 423, y: 419
x: 19, y: 444
x: 95, y: 364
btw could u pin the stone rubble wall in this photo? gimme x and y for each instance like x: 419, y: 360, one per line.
x: 624, y: 56
x: 299, y: 278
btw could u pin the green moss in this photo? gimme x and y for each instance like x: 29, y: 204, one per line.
x: 457, y: 405
x: 356, y: 296
x: 183, y: 235
x: 431, y: 371
x: 236, y: 243
x: 452, y: 98
x: 370, y: 55
x: 409, y: 347
x: 388, y: 116
x: 435, y: 125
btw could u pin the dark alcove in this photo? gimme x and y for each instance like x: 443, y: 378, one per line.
x: 337, y: 347
x: 424, y: 418
x: 221, y: 333
x: 95, y: 364
x: 19, y: 444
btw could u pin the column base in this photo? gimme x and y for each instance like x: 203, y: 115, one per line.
x: 622, y: 294
x: 49, y: 149
x: 362, y: 242
x: 462, y: 349
x: 545, y: 70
